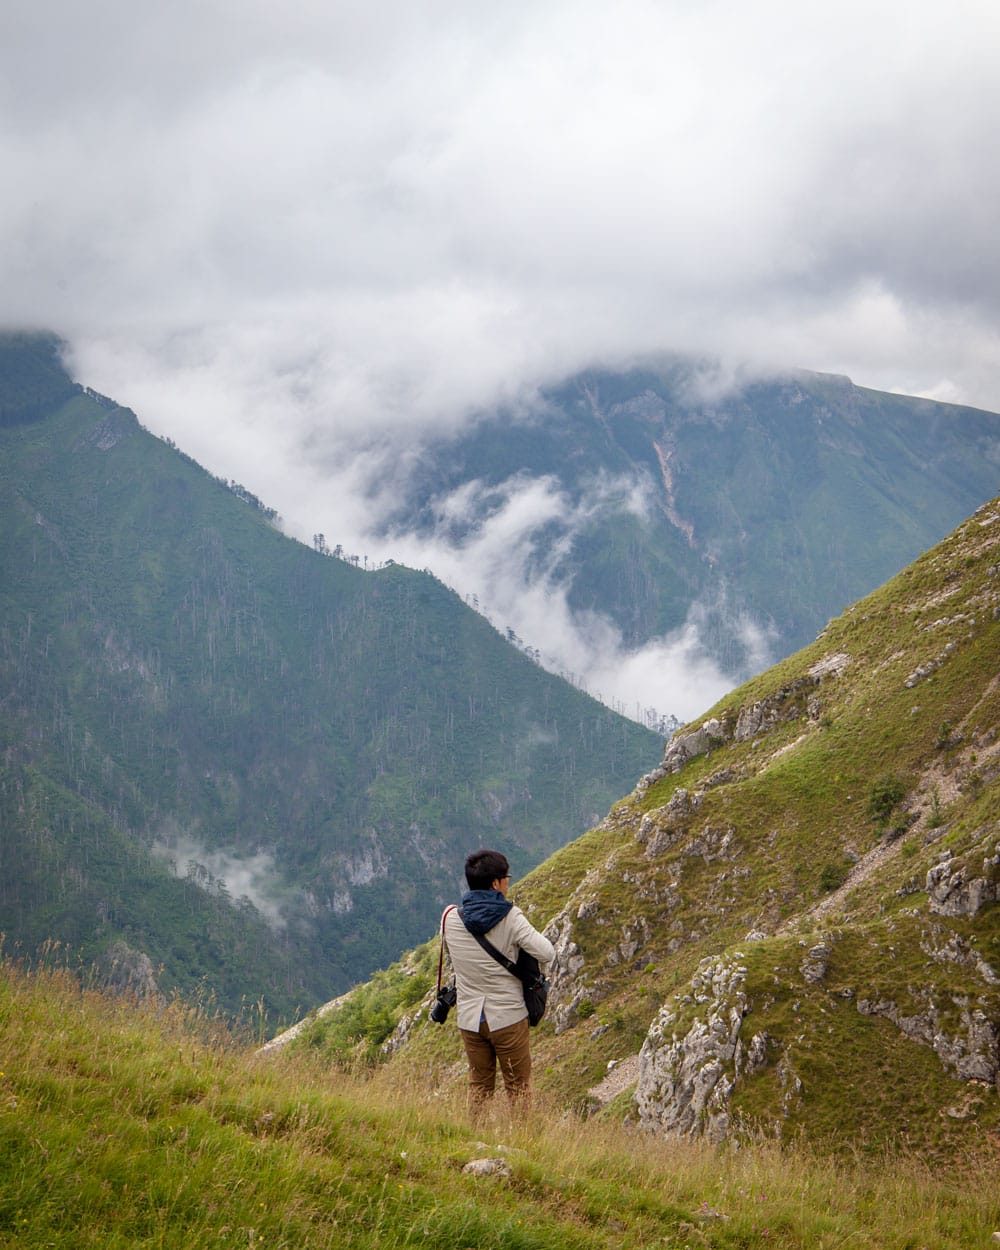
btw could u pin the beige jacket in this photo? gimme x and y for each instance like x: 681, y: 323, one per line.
x: 483, y: 984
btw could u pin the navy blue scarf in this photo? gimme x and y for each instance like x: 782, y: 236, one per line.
x: 482, y: 909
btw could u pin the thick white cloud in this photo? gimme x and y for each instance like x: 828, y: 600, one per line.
x: 286, y: 233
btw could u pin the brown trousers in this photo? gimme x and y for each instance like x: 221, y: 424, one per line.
x: 511, y: 1049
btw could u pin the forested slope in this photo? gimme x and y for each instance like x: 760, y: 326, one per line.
x: 249, y: 762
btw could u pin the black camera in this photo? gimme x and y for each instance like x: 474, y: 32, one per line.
x: 444, y: 1002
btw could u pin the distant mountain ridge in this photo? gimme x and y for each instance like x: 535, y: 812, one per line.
x: 777, y: 501
x: 228, y: 760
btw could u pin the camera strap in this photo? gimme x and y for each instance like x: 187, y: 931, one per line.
x: 444, y: 917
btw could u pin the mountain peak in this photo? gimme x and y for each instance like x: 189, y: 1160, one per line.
x: 33, y: 378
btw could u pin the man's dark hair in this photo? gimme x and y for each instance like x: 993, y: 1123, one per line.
x: 482, y: 868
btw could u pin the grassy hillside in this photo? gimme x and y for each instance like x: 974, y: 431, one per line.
x: 228, y: 760
x: 792, y: 925
x: 122, y: 1126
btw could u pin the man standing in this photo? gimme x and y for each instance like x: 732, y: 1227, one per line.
x: 492, y: 1017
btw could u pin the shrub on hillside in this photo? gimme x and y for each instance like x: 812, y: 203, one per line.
x: 886, y: 793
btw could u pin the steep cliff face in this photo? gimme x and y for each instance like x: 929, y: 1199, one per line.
x: 792, y: 925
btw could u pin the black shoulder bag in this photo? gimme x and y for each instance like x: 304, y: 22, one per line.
x: 528, y: 972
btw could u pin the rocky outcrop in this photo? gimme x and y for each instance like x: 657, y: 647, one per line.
x: 567, y: 990
x: 635, y: 935
x: 129, y: 971
x: 687, y: 1070
x: 684, y: 747
x: 403, y: 1031
x: 709, y: 735
x: 954, y: 890
x: 930, y: 666
x: 118, y: 424
x: 696, y: 1051
x: 713, y: 844
x: 964, y: 1035
x: 752, y: 720
x: 368, y: 862
x: 948, y: 947
x: 660, y: 829
x: 816, y: 962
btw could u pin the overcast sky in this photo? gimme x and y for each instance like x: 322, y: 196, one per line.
x: 276, y: 230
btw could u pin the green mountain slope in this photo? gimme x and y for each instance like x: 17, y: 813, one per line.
x: 779, y: 502
x: 792, y: 925
x: 234, y: 757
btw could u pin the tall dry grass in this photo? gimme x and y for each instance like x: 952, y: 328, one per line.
x: 123, y: 1124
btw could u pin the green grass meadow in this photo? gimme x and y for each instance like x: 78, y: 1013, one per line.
x: 131, y: 1125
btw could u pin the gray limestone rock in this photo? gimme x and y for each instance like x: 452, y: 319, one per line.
x: 971, y: 1050
x: 488, y: 1167
x: 686, y: 1077
x: 815, y: 964
x: 953, y: 891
